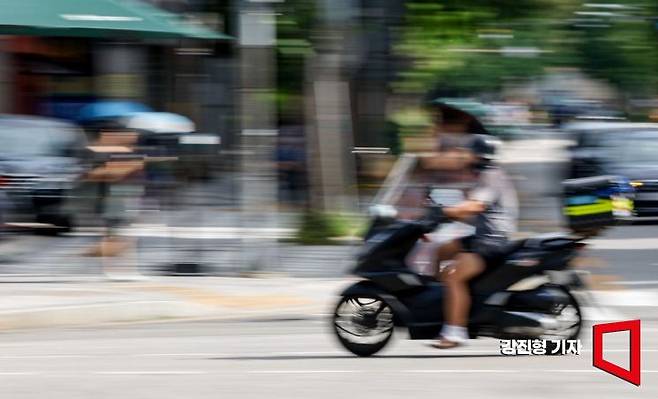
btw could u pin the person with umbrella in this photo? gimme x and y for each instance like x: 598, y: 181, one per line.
x: 119, y: 174
x: 490, y: 208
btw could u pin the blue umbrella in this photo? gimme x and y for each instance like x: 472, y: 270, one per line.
x: 110, y: 110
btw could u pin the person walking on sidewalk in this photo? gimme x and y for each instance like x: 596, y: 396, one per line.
x: 119, y: 176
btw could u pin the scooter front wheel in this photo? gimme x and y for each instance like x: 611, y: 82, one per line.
x: 363, y: 325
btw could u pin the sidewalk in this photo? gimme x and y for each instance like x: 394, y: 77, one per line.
x: 38, y: 302
x: 35, y: 302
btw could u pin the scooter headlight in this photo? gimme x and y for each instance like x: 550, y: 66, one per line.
x: 384, y: 211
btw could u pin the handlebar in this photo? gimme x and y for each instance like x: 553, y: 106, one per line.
x: 432, y: 218
x: 428, y: 222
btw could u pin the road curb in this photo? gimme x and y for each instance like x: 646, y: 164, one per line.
x: 98, y: 313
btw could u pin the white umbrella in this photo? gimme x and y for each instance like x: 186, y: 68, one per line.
x: 160, y: 122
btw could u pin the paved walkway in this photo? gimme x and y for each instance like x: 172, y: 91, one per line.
x: 42, y: 301
x: 45, y: 301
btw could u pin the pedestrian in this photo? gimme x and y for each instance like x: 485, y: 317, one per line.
x: 120, y: 175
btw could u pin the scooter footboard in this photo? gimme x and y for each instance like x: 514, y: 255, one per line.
x: 426, y: 308
x: 544, y: 298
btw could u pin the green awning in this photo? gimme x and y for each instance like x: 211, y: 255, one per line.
x: 97, y: 19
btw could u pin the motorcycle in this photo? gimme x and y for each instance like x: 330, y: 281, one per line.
x: 391, y: 295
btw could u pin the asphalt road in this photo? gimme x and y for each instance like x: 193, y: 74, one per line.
x: 293, y: 359
x: 629, y: 254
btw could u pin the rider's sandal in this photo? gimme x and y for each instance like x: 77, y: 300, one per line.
x: 443, y: 343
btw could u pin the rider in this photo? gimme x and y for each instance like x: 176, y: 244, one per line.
x: 490, y: 207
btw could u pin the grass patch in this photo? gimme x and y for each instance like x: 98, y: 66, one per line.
x: 319, y: 228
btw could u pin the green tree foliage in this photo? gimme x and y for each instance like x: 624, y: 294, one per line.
x: 294, y: 30
x: 464, y: 47
x: 467, y: 47
x: 620, y: 44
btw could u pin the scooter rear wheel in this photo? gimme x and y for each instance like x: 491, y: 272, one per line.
x: 569, y: 318
x: 363, y: 325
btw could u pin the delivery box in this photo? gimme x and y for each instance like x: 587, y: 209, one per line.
x: 594, y: 203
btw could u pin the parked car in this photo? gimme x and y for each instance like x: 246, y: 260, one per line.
x: 629, y: 150
x: 41, y: 161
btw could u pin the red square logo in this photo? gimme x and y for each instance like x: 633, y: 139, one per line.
x: 633, y: 327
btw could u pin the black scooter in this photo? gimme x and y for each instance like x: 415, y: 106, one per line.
x: 391, y: 295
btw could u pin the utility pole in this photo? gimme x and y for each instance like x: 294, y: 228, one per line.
x: 258, y: 133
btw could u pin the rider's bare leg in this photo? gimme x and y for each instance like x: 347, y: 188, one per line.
x: 458, y: 300
x: 447, y: 251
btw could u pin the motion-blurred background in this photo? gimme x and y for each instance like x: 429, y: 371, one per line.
x: 155, y: 152
x: 227, y: 137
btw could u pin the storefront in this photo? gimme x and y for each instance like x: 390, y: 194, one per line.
x: 57, y: 57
